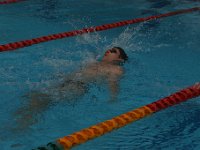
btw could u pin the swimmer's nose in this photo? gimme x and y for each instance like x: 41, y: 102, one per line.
x: 107, y: 52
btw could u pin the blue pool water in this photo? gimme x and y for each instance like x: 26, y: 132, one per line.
x: 164, y: 56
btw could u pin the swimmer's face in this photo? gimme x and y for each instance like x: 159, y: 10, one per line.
x: 112, y: 55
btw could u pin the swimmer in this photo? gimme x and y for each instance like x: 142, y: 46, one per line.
x: 109, y: 70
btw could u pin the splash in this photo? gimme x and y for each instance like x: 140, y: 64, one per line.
x: 128, y: 39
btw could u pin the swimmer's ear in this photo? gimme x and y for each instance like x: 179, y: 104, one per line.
x: 120, y: 60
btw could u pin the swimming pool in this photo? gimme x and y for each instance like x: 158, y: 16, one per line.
x: 163, y: 57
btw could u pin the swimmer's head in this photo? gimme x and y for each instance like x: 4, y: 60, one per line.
x: 116, y: 54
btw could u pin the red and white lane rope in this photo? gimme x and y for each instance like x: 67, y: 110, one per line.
x: 21, y: 44
x: 10, y: 1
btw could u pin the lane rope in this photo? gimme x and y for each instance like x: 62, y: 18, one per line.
x: 10, y: 1
x: 99, y: 129
x: 21, y: 44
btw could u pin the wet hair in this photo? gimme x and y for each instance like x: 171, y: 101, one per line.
x: 123, y: 55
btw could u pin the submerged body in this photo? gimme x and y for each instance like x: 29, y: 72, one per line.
x: 74, y: 86
x: 99, y: 72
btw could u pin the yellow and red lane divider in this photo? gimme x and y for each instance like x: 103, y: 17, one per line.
x: 21, y: 44
x: 99, y: 129
x: 10, y: 1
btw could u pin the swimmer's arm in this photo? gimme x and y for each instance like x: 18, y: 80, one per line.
x: 114, y: 89
x: 114, y: 83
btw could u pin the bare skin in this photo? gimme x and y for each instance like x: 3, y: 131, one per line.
x: 75, y: 85
x: 98, y: 73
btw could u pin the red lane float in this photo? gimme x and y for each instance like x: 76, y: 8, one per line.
x: 99, y: 129
x: 21, y: 44
x: 10, y: 1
